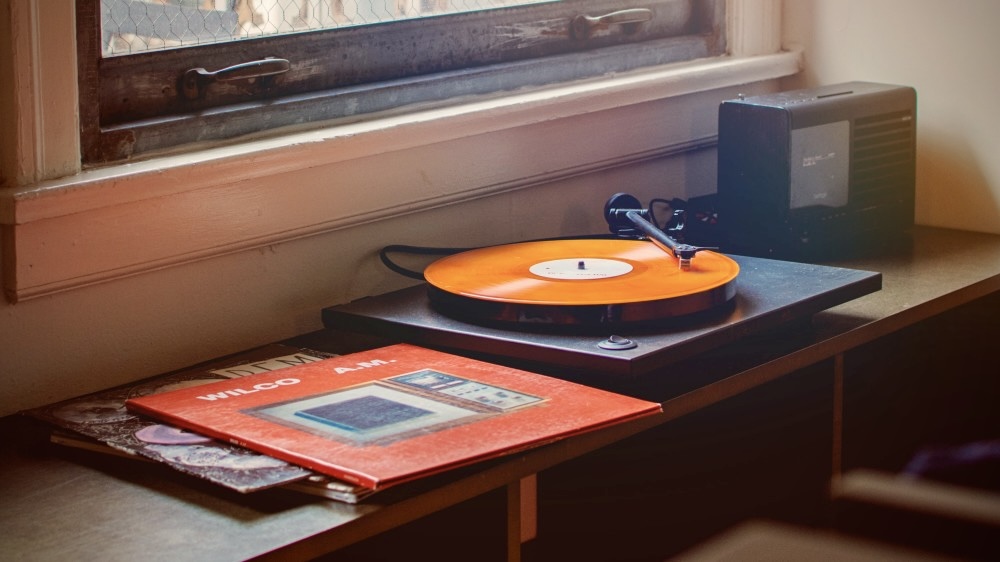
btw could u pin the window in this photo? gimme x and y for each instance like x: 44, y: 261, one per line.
x: 151, y: 82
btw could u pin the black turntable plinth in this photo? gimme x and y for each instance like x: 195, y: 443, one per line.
x: 769, y: 294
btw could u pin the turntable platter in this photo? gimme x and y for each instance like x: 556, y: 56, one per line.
x: 579, y: 281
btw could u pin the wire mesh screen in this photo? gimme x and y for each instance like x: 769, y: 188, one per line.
x: 130, y: 26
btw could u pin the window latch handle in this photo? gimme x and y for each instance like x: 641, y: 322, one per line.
x: 582, y: 26
x: 195, y: 80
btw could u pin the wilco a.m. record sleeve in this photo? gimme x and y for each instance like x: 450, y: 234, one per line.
x: 384, y: 416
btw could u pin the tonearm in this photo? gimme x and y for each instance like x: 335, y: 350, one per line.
x: 627, y: 218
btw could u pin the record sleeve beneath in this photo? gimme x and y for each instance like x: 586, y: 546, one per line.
x: 579, y: 281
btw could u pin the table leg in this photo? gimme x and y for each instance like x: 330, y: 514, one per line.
x: 522, y: 520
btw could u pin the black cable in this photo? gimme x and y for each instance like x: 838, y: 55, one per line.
x: 383, y: 255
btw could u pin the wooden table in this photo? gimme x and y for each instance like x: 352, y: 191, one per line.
x: 59, y: 504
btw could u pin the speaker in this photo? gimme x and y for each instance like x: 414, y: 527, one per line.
x: 817, y: 174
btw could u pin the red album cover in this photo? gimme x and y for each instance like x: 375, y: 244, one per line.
x: 392, y: 414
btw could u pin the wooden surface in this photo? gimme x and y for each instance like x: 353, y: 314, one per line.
x: 60, y: 504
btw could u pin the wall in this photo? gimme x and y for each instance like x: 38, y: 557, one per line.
x: 947, y: 52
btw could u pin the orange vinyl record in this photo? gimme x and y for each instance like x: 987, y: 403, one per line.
x: 579, y: 281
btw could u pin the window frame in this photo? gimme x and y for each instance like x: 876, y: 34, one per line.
x: 116, y: 130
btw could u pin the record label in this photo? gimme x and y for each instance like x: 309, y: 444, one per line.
x: 580, y: 268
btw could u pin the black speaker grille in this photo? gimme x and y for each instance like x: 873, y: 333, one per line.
x: 882, y: 157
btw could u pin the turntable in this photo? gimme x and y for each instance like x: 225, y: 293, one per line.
x: 622, y: 305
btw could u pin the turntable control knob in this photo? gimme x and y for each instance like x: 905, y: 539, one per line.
x: 617, y: 343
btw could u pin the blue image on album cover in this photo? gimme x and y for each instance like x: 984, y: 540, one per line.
x: 364, y: 413
x: 372, y: 413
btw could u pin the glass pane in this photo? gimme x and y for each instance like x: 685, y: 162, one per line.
x: 130, y: 26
